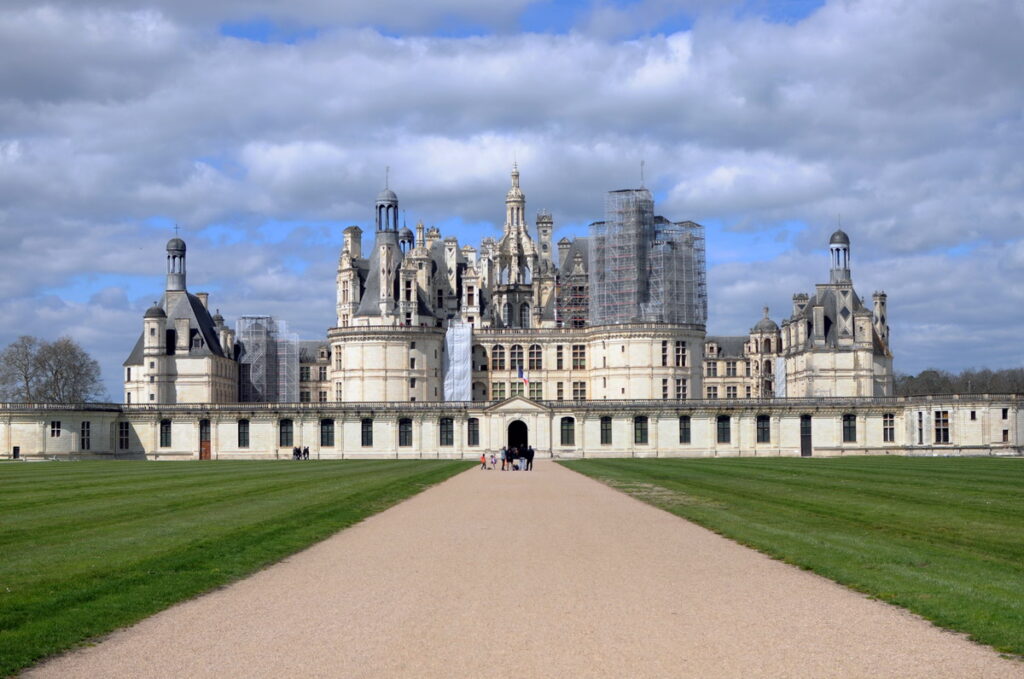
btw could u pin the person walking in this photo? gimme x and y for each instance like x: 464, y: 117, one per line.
x: 494, y: 461
x: 529, y: 458
x: 483, y: 460
x: 305, y: 452
x: 503, y: 454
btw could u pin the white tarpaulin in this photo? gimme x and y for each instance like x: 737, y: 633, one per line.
x: 780, y: 378
x: 457, y: 365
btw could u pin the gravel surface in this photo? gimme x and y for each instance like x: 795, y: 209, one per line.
x: 531, y: 574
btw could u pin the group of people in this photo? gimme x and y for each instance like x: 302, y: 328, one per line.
x: 512, y: 459
x: 300, y: 453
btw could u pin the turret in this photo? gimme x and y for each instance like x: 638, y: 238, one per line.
x: 515, y: 204
x: 880, y: 316
x: 387, y: 210
x: 154, y: 331
x: 353, y: 242
x: 839, y: 250
x: 545, y: 227
x: 175, y: 265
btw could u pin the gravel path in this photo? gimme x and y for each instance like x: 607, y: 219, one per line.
x: 585, y: 582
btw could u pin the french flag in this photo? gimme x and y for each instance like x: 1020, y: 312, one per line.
x: 523, y: 375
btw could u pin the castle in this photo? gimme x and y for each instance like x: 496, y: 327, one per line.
x: 595, y: 346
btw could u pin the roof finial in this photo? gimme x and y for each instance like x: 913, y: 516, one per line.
x: 175, y: 229
x: 765, y: 312
x: 642, y: 161
x: 387, y: 176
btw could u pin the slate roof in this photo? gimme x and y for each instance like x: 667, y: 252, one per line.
x: 185, y: 306
x: 731, y: 346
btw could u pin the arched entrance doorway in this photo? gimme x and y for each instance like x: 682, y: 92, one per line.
x: 518, y: 435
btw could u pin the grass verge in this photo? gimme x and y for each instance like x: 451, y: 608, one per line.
x: 89, y: 547
x: 942, y: 537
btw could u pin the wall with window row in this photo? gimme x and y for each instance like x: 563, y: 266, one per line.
x: 960, y: 426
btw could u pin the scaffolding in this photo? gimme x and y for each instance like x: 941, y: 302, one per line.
x: 645, y: 268
x: 268, y: 370
x: 457, y: 363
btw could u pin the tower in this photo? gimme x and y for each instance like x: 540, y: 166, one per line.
x: 176, y: 265
x: 839, y: 249
x: 880, y: 315
x: 387, y: 210
x: 515, y: 204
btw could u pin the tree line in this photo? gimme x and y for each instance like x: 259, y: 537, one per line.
x: 33, y: 370
x: 1009, y: 381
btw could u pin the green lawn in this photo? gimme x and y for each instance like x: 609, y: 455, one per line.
x: 87, y: 547
x: 943, y: 537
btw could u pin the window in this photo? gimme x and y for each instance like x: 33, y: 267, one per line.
x: 746, y: 368
x: 337, y: 391
x: 327, y: 433
x: 568, y: 431
x: 680, y: 354
x: 506, y: 315
x: 640, y: 430
x: 128, y: 376
x: 366, y: 431
x: 764, y: 429
x: 974, y: 415
x: 473, y: 431
x: 680, y: 388
x: 55, y: 429
x: 888, y: 428
x: 321, y: 396
x: 304, y: 397
x: 724, y: 429
x: 408, y: 291
x: 942, y: 426
x: 85, y: 440
x: 122, y: 436
x: 684, y: 428
x: 515, y: 357
x: 165, y: 433
x: 730, y: 368
x: 537, y: 391
x: 664, y: 388
x: 664, y: 352
x: 1006, y: 436
x: 579, y: 356
x: 322, y: 373
x: 560, y: 391
x: 405, y: 432
x: 515, y: 389
x: 1006, y: 413
x: 470, y: 297
x: 536, y: 360
x: 304, y: 373
x: 446, y: 431
x: 712, y: 369
x: 849, y: 428
x: 606, y: 431
x: 579, y: 391
x: 524, y: 315
x: 730, y: 392
x: 498, y: 357
x: 712, y: 392
x: 243, y: 433
x: 558, y: 357
x: 285, y: 434
x: 497, y: 391
x: 920, y: 428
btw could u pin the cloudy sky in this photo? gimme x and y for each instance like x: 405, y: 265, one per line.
x: 263, y: 129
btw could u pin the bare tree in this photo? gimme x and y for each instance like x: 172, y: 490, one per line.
x: 32, y: 370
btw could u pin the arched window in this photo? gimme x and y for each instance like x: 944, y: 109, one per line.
x: 640, y: 429
x: 165, y: 433
x: 515, y: 357
x: 568, y: 431
x: 536, y: 360
x: 767, y: 346
x: 524, y: 315
x: 405, y: 432
x: 498, y: 357
x: 606, y: 430
x: 479, y: 357
x: 506, y: 315
x: 285, y: 434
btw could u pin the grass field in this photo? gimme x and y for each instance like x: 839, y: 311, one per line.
x: 943, y: 537
x: 88, y: 547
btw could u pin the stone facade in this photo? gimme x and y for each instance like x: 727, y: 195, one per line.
x: 950, y: 425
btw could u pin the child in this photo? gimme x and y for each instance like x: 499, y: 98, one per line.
x: 494, y: 461
x: 483, y: 461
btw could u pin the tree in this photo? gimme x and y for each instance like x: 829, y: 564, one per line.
x: 35, y: 371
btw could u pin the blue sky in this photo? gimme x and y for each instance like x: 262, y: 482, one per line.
x: 262, y: 129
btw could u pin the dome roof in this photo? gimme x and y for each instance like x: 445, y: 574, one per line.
x: 176, y: 245
x: 405, y: 234
x: 387, y: 196
x: 155, y: 311
x: 839, y: 238
x: 766, y: 325
x: 218, y: 319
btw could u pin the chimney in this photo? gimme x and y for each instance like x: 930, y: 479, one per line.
x: 204, y: 297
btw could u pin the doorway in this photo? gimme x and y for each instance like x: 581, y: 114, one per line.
x: 518, y: 435
x: 204, y: 439
x: 805, y: 436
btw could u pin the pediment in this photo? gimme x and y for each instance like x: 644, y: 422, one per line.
x: 517, y: 404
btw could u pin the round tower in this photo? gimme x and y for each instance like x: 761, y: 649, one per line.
x: 176, y: 265
x: 387, y: 210
x: 839, y: 250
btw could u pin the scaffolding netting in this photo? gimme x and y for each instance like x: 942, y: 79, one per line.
x: 456, y: 367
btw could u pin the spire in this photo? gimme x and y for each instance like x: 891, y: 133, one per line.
x: 515, y: 174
